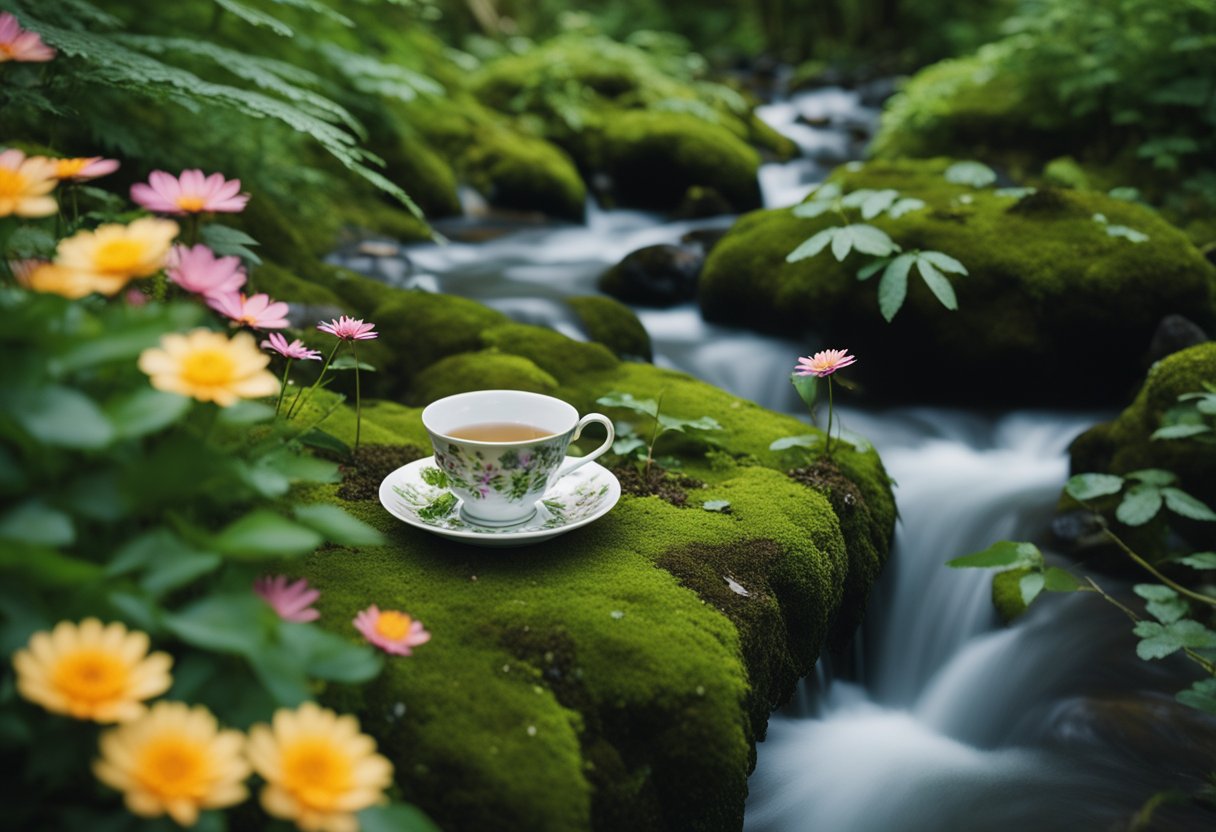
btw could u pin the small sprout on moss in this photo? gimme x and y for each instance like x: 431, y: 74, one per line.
x: 1015, y: 193
x: 722, y: 506
x: 975, y: 174
x: 628, y: 441
x: 617, y: 614
x: 1122, y: 231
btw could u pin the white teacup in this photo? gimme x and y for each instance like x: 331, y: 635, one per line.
x: 516, y: 452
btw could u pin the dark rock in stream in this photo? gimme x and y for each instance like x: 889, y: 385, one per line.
x: 1174, y: 333
x: 662, y: 275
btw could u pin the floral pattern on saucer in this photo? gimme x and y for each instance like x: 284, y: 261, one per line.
x: 418, y: 495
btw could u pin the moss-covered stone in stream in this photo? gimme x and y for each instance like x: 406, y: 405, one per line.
x: 553, y: 352
x: 1046, y: 281
x: 613, y: 324
x: 486, y: 370
x: 421, y: 328
x: 513, y: 170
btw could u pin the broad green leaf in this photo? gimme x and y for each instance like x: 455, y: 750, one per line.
x: 1088, y: 486
x: 36, y: 523
x: 264, y: 534
x: 235, y: 623
x: 139, y: 610
x: 716, y: 505
x: 1201, y: 695
x: 1162, y: 602
x: 626, y: 400
x: 701, y: 423
x: 1200, y: 560
x: 1059, y: 580
x: 225, y: 241
x: 1006, y: 554
x: 864, y: 238
x: 326, y: 655
x: 27, y: 564
x: 1140, y: 504
x: 1153, y: 476
x: 1181, y: 431
x: 396, y: 817
x: 806, y: 440
x: 893, y: 288
x: 246, y: 413
x: 812, y: 245
x: 1161, y: 640
x: 145, y: 411
x: 169, y: 573
x: 826, y: 190
x: 810, y: 210
x: 1180, y: 502
x: 317, y: 438
x: 807, y: 388
x: 59, y: 416
x: 347, y: 362
x: 256, y: 17
x: 878, y: 202
x: 1030, y: 586
x: 857, y: 198
x: 944, y: 262
x: 627, y: 445
x: 905, y: 206
x: 870, y: 269
x: 1126, y: 233
x: 338, y: 526
x: 975, y: 174
x: 300, y: 467
x: 938, y: 284
x: 281, y: 674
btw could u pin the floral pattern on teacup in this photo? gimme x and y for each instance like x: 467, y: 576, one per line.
x: 513, y: 474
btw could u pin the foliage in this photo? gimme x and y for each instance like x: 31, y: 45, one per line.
x: 629, y: 443
x: 1192, y: 418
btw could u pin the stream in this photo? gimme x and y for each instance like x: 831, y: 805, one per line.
x: 941, y: 719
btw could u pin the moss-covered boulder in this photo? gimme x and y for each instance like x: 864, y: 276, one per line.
x: 486, y: 370
x: 1055, y: 307
x: 613, y: 324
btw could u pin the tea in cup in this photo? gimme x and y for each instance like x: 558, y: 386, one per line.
x: 502, y: 450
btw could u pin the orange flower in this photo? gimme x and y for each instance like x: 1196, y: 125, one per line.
x: 24, y: 185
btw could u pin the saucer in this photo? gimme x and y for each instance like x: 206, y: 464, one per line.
x: 575, y: 500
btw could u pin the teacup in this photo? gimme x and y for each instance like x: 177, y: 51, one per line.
x: 503, y: 449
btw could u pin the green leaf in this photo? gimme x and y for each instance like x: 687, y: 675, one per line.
x: 1088, y: 486
x: 810, y: 210
x: 338, y: 526
x: 326, y: 655
x: 1200, y: 560
x: 1059, y: 580
x: 943, y: 261
x: 905, y: 206
x: 1126, y: 233
x: 59, y: 416
x: 396, y: 817
x: 807, y: 440
x: 938, y: 283
x: 264, y: 534
x: 1180, y: 431
x: 1201, y: 695
x: 27, y: 564
x: 807, y: 388
x: 300, y: 467
x: 627, y: 445
x: 716, y: 505
x: 1162, y: 602
x: 226, y: 242
x: 1030, y: 586
x: 870, y: 269
x: 280, y: 672
x: 347, y: 362
x: 893, y: 288
x: 1161, y: 640
x: 1006, y: 554
x: 317, y: 438
x: 975, y: 174
x: 626, y: 400
x: 169, y: 573
x: 1180, y: 502
x: 234, y: 623
x: 145, y: 411
x: 812, y: 245
x: 864, y: 238
x: 246, y: 413
x: 700, y: 423
x: 256, y: 17
x: 1153, y: 476
x: 36, y: 523
x: 1140, y: 504
x: 1014, y: 193
x: 878, y: 202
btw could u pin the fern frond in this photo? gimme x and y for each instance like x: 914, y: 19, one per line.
x: 373, y: 77
x: 255, y: 17
x: 317, y: 7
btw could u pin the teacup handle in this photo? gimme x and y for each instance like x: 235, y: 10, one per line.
x: 574, y: 463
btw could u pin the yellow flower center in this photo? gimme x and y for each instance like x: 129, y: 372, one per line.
x: 173, y: 766
x: 12, y: 183
x: 208, y: 368
x: 190, y: 202
x: 317, y: 772
x: 393, y: 625
x: 91, y: 675
x: 119, y: 256
x: 69, y: 167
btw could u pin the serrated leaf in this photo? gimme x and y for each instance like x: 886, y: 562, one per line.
x: 938, y: 284
x: 1180, y: 502
x: 1005, y: 554
x: 893, y: 288
x: 1140, y: 504
x: 1201, y: 695
x: 1161, y: 640
x: 1060, y: 580
x: 1180, y: 431
x: 225, y: 241
x: 804, y: 441
x: 1030, y: 586
x: 975, y: 174
x: 256, y: 17
x: 1089, y: 486
x: 812, y: 246
x: 649, y: 407
x: 1200, y: 560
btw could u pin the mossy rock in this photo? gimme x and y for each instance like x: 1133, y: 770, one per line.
x: 610, y: 678
x: 1007, y: 594
x: 613, y: 324
x: 653, y: 158
x: 1053, y: 309
x: 553, y: 352
x: 422, y: 173
x: 281, y: 283
x: 1125, y: 444
x: 486, y: 370
x: 513, y: 170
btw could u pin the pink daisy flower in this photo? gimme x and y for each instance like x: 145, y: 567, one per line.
x: 824, y: 363
x: 257, y: 312
x: 349, y: 329
x: 392, y: 631
x: 17, y: 44
x: 198, y: 270
x: 192, y: 193
x: 84, y: 168
x: 296, y: 349
x: 292, y: 601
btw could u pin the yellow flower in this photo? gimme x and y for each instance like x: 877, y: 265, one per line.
x: 319, y: 769
x: 48, y: 278
x: 205, y: 365
x: 24, y: 185
x: 115, y: 254
x: 174, y: 760
x: 88, y: 671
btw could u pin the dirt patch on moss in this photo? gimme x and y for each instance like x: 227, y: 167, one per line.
x: 658, y: 482
x: 361, y: 479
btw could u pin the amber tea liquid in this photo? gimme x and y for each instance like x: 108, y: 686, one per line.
x: 499, y: 432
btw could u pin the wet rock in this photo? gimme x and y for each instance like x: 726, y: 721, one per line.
x: 700, y: 202
x: 1077, y: 529
x: 704, y: 238
x: 661, y: 275
x: 1174, y: 333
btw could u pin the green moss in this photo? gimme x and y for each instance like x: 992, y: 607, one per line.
x: 1044, y: 280
x: 551, y: 351
x: 1007, y: 594
x: 420, y: 328
x: 411, y: 163
x: 282, y: 284
x: 613, y: 324
x: 766, y: 138
x: 653, y: 159
x: 513, y: 170
x: 487, y: 370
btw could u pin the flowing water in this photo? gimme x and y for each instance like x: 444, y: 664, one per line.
x: 945, y: 720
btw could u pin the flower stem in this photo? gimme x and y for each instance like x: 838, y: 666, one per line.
x: 296, y: 401
x: 282, y: 388
x: 827, y: 448
x: 358, y: 398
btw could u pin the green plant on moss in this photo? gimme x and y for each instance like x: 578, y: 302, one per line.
x: 869, y: 240
x: 628, y: 442
x: 1121, y: 231
x: 1192, y: 418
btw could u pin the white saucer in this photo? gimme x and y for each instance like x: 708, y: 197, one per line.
x: 575, y: 500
